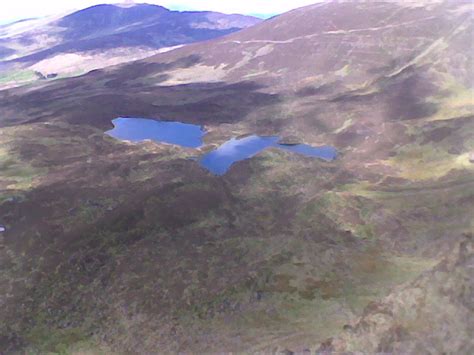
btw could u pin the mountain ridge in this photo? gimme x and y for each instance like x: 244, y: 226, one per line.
x: 128, y: 33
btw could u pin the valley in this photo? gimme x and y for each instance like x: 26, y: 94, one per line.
x: 130, y: 246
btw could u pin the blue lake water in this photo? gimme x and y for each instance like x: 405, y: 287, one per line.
x: 217, y: 161
x: 220, y: 160
x: 140, y: 129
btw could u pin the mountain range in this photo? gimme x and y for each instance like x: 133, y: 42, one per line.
x: 103, y: 35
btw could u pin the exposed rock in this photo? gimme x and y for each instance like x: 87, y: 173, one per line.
x: 438, y: 305
x: 290, y: 140
x: 242, y: 136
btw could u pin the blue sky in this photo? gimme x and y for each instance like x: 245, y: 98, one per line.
x: 12, y: 10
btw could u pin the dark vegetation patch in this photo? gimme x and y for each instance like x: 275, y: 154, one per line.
x: 355, y: 96
x: 228, y: 108
x: 195, y: 103
x: 348, y: 138
x: 438, y: 134
x: 314, y: 91
x: 406, y: 98
x: 5, y: 52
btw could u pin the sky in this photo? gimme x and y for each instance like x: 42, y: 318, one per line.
x: 12, y: 10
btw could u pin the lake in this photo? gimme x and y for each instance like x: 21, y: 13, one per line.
x: 140, y: 129
x: 220, y: 160
x: 217, y: 161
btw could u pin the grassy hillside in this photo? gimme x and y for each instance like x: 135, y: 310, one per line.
x: 135, y: 248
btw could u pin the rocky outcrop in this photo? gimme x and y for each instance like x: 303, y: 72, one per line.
x: 433, y: 314
x: 290, y: 140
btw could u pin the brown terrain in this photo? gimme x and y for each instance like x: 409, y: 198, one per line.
x: 115, y: 247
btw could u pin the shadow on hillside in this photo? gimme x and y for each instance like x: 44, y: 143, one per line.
x: 133, y: 90
x: 405, y: 96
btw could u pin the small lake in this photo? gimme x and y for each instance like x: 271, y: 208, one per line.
x: 217, y: 161
x: 220, y: 160
x: 140, y: 129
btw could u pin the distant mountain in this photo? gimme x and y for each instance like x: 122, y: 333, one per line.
x: 104, y: 35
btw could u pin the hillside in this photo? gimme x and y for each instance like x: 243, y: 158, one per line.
x: 415, y: 317
x: 135, y: 248
x: 103, y: 35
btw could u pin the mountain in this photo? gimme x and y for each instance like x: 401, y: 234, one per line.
x: 102, y: 35
x: 115, y: 246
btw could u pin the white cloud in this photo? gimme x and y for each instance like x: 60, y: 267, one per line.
x: 19, y: 9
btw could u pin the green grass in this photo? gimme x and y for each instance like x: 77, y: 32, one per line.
x: 17, y: 76
x: 458, y: 102
x: 15, y: 173
x: 422, y: 162
x: 55, y: 341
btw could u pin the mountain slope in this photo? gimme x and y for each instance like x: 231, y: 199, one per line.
x: 415, y: 317
x: 136, y: 248
x: 107, y: 34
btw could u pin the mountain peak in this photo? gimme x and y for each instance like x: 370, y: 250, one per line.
x: 115, y: 33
